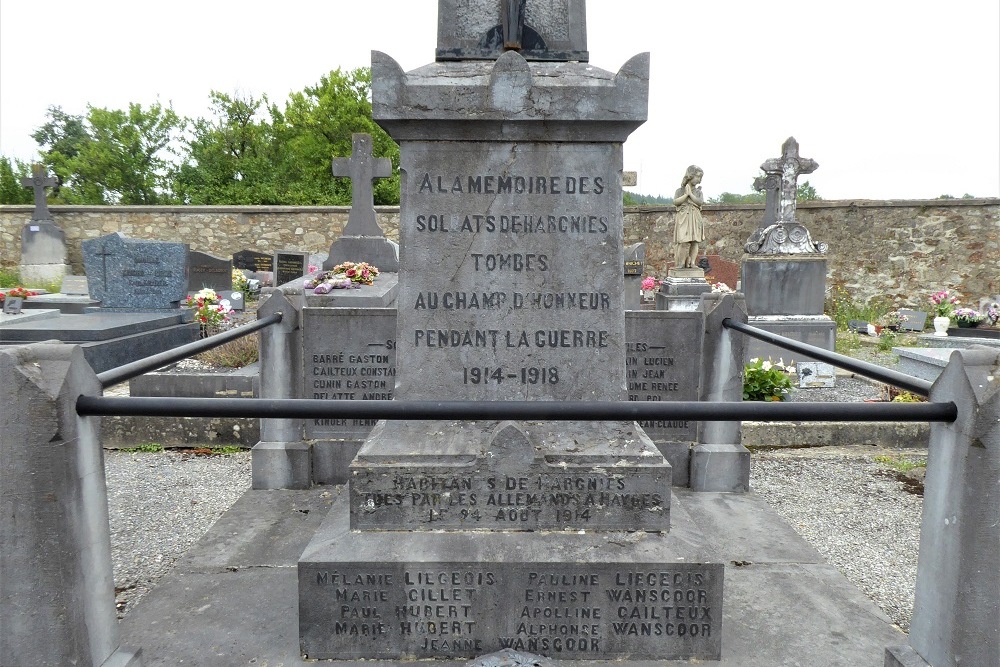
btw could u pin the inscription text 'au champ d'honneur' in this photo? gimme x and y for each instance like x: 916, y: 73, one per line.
x: 490, y: 264
x: 571, y: 612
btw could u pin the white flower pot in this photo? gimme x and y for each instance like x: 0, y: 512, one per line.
x: 941, y: 326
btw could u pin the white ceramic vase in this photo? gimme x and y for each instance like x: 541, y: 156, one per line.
x: 941, y: 326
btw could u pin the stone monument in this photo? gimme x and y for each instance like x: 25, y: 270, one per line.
x: 135, y: 275
x: 458, y: 539
x: 363, y: 239
x: 784, y: 271
x: 686, y: 282
x: 43, y: 243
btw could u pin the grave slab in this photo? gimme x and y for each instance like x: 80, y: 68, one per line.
x: 820, y: 331
x: 782, y: 604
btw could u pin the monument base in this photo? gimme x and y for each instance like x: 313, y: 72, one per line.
x: 509, y: 476
x: 376, y: 250
x: 784, y: 284
x: 817, y: 330
x: 682, y: 290
x: 578, y: 595
x: 35, y: 274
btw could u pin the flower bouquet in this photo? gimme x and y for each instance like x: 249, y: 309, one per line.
x: 943, y: 303
x: 342, y: 276
x: 210, y: 311
x: 968, y: 317
x: 767, y: 380
x: 17, y: 293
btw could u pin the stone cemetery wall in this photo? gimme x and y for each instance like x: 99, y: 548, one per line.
x: 899, y: 249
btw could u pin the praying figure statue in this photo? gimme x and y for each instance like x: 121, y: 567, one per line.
x: 689, y: 229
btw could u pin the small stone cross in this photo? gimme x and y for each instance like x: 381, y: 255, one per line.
x: 39, y: 180
x: 362, y: 168
x: 789, y: 166
x: 103, y: 254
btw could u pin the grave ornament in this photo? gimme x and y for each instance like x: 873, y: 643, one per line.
x: 38, y: 181
x: 689, y: 228
x: 43, y: 243
x: 363, y: 239
x: 779, y: 233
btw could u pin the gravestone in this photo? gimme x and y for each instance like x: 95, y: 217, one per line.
x: 43, y: 243
x: 75, y: 286
x: 363, y: 239
x: 133, y: 275
x: 290, y: 265
x: 635, y: 264
x: 252, y: 260
x: 510, y: 288
x: 783, y: 275
x: 813, y: 374
x: 205, y: 270
x: 916, y: 320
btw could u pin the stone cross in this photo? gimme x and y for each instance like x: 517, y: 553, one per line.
x: 788, y: 166
x: 362, y: 168
x: 39, y: 180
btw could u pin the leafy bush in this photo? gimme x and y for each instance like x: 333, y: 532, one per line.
x: 841, y: 308
x: 766, y: 380
x: 9, y: 278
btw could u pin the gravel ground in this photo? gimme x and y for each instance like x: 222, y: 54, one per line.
x: 851, y: 508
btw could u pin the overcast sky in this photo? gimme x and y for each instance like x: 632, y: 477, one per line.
x: 895, y: 99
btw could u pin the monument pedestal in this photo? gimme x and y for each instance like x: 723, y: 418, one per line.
x: 682, y: 290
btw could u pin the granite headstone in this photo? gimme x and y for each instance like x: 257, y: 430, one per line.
x: 130, y: 274
x: 290, y: 265
x: 205, y: 270
x: 252, y: 260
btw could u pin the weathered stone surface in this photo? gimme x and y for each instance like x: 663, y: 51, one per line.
x: 509, y: 476
x: 816, y: 374
x: 784, y: 285
x: 348, y: 354
x: 453, y: 594
x: 130, y: 274
x: 663, y: 363
x: 547, y: 29
x: 525, y: 242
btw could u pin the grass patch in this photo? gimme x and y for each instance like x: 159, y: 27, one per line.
x: 9, y: 278
x: 847, y: 342
x: 234, y: 354
x: 841, y: 308
x: 900, y: 463
x: 148, y: 448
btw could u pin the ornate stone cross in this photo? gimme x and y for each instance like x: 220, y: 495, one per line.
x: 788, y: 166
x: 779, y: 233
x: 39, y: 180
x: 362, y: 168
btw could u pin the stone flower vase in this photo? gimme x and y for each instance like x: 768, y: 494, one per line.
x: 941, y: 326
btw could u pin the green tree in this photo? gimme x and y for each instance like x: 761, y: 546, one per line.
x: 111, y: 156
x: 232, y: 157
x: 316, y: 125
x: 60, y: 140
x: 733, y: 199
x: 11, y: 190
x: 806, y: 192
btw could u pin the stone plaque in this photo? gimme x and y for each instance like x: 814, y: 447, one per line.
x: 12, y: 305
x: 915, y: 320
x: 506, y: 293
x: 348, y: 354
x: 251, y: 260
x: 290, y: 265
x: 567, y: 611
x: 663, y: 363
x: 634, y: 267
x: 511, y: 477
x: 130, y: 274
x: 816, y: 374
x: 206, y: 270
x: 75, y: 285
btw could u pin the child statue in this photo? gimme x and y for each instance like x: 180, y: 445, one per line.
x: 689, y: 229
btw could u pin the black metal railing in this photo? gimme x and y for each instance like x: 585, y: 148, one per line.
x: 303, y: 408
x: 296, y: 408
x: 142, y: 366
x: 873, y: 371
